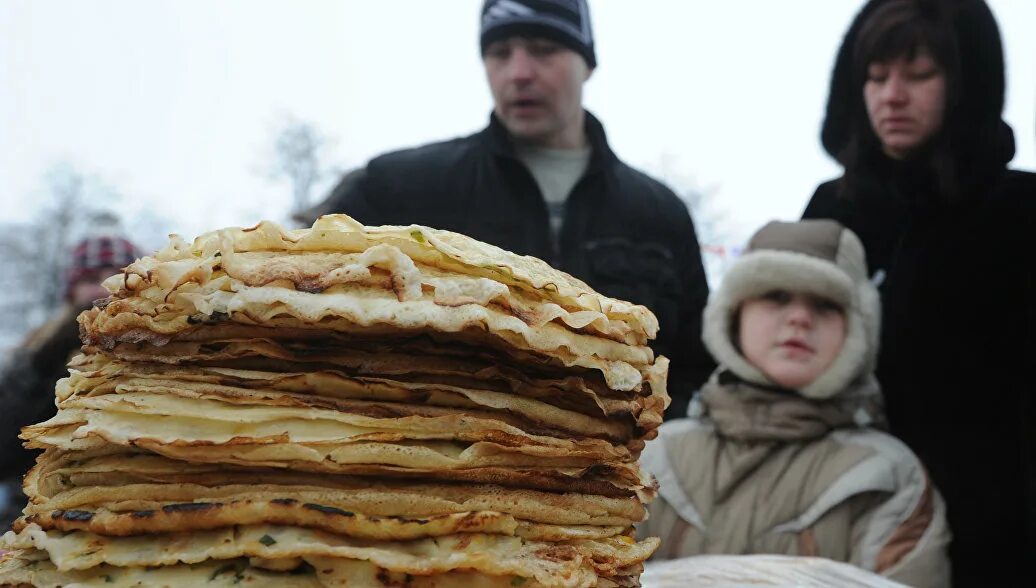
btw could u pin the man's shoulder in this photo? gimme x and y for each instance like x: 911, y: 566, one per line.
x: 637, y: 183
x: 428, y: 156
x: 656, y: 187
x: 1020, y: 184
x: 828, y: 188
x: 825, y: 202
x: 1020, y: 175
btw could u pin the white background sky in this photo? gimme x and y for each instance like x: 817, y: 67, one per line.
x: 174, y: 102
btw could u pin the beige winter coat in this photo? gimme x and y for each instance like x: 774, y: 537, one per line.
x: 761, y: 471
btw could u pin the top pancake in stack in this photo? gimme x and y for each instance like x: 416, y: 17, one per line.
x: 376, y: 385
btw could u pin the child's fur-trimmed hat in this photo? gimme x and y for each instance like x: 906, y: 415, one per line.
x: 819, y: 257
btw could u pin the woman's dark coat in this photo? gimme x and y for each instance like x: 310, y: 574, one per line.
x: 958, y: 298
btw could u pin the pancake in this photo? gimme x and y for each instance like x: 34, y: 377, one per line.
x: 328, y: 365
x: 488, y: 554
x: 337, y: 391
x: 77, y: 480
x: 444, y: 461
x: 318, y: 271
x: 29, y: 568
x: 357, y: 305
x: 184, y: 418
x: 618, y: 376
x: 470, y: 346
x: 354, y: 310
x: 148, y: 516
x: 431, y: 248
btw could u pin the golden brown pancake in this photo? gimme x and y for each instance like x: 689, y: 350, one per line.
x: 494, y: 555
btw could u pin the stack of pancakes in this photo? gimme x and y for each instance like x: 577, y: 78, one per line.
x: 345, y: 406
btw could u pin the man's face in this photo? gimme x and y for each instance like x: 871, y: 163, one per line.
x: 537, y: 88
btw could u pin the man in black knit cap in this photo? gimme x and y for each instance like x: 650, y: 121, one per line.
x: 542, y: 180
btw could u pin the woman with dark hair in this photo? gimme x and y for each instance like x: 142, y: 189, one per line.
x: 914, y: 117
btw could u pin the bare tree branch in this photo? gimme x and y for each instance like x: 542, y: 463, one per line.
x: 36, y: 254
x: 298, y: 149
x: 711, y: 222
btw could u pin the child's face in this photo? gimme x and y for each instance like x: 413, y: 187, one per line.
x: 791, y: 337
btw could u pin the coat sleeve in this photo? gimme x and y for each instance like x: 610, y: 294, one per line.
x: 27, y: 386
x: 672, y: 516
x: 21, y: 387
x: 1028, y: 401
x: 913, y: 549
x: 352, y: 195
x: 691, y: 362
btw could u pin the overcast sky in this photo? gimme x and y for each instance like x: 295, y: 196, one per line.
x: 174, y: 103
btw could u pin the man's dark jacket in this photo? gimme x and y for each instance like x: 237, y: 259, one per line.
x: 957, y: 349
x: 625, y: 234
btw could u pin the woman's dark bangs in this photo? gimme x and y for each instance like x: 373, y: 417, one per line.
x: 904, y: 39
x: 898, y: 31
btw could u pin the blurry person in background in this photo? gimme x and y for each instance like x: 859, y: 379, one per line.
x: 542, y: 180
x: 27, y: 382
x: 914, y: 117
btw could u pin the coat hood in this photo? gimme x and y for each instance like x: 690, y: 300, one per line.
x: 980, y: 136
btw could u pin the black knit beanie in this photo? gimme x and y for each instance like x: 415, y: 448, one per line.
x: 563, y: 21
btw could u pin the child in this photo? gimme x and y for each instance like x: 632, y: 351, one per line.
x: 776, y: 456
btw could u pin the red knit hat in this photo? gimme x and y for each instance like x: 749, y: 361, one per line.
x: 99, y: 252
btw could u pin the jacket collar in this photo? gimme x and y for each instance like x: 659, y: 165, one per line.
x: 498, y: 139
x: 746, y: 411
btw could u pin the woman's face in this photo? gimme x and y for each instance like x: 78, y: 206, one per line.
x: 906, y: 100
